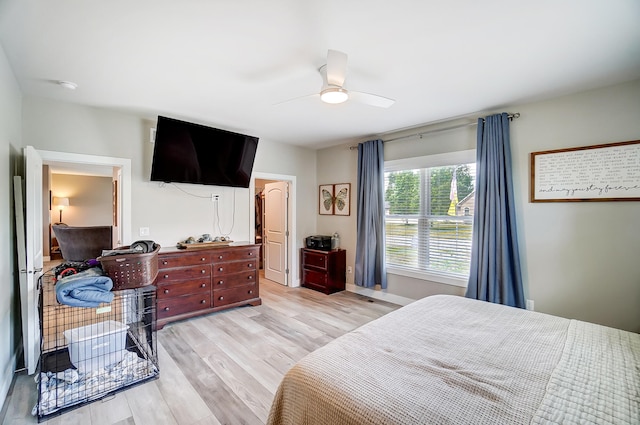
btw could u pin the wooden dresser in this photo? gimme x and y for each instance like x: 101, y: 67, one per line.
x: 200, y: 281
x: 324, y: 271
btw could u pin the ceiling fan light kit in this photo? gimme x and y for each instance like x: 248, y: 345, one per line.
x: 334, y: 73
x: 334, y: 95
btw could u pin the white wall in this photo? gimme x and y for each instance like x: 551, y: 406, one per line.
x: 172, y: 213
x: 10, y: 142
x: 580, y: 260
x: 89, y: 200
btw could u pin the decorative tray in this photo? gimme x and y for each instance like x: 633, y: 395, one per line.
x: 201, y: 245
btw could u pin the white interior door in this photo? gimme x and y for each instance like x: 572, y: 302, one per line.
x: 276, y: 231
x: 29, y: 290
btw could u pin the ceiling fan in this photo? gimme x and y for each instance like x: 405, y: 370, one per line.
x: 333, y: 75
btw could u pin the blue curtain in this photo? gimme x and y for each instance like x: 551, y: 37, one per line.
x: 370, y: 267
x: 495, y: 264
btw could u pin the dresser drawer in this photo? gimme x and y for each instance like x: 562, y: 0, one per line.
x: 220, y: 269
x: 314, y: 277
x: 184, y: 287
x: 226, y: 281
x: 182, y: 273
x: 171, y: 261
x: 235, y: 254
x: 234, y: 295
x: 185, y: 304
x: 314, y: 259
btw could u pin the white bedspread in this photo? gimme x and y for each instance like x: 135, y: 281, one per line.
x: 451, y: 360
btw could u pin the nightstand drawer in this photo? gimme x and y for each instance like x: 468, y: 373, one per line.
x: 314, y: 277
x: 314, y: 259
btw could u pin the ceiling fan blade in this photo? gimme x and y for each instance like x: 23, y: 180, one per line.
x: 336, y: 67
x: 370, y: 99
x: 296, y: 98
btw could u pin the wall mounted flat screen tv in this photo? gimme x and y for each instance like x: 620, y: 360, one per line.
x: 192, y: 153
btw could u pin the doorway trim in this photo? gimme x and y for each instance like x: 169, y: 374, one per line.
x: 124, y: 164
x: 293, y: 279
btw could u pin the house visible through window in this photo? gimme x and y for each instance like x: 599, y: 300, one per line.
x: 429, y: 217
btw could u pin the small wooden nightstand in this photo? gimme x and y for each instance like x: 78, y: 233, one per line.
x: 324, y: 271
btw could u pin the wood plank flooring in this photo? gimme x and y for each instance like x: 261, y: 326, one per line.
x: 223, y: 368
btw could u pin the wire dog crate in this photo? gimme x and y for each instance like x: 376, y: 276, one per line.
x: 90, y: 353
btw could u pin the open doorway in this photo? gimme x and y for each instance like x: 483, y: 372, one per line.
x: 78, y: 198
x: 111, y: 175
x: 274, y: 226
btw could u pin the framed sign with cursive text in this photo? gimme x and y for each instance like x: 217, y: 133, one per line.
x: 609, y: 172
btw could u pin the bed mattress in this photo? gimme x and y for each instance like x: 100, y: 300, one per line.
x: 452, y: 360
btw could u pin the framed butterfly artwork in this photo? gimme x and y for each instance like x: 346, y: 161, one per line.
x: 326, y: 199
x: 335, y: 199
x: 341, y: 198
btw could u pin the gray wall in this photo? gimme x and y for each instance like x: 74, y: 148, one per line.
x: 171, y: 213
x: 10, y: 142
x: 580, y: 259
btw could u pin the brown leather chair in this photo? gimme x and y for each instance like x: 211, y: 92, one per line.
x: 83, y: 243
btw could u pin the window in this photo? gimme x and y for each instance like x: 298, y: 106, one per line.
x: 429, y: 205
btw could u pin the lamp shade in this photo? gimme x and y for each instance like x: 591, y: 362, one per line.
x: 60, y: 202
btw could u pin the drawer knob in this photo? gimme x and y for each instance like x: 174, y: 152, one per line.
x: 166, y: 276
x: 166, y: 309
x: 219, y: 257
x: 250, y: 265
x: 250, y: 254
x: 250, y: 277
x: 202, y: 259
x: 166, y: 291
x: 204, y: 285
x: 203, y: 301
x: 250, y: 291
x: 203, y: 271
x: 164, y: 263
x: 220, y: 282
x: 221, y: 298
x: 220, y: 269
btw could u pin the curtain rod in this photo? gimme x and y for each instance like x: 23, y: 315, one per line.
x: 511, y: 117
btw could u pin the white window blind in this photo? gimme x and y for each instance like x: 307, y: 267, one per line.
x: 429, y: 218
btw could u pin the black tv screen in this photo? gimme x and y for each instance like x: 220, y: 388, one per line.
x: 192, y: 153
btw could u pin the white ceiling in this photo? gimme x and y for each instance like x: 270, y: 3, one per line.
x: 227, y: 63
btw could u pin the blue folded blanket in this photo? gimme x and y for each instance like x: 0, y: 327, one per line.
x: 88, y: 288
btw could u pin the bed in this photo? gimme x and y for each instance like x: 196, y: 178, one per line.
x: 451, y: 360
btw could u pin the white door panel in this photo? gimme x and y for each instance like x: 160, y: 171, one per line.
x: 34, y: 258
x: 275, y: 231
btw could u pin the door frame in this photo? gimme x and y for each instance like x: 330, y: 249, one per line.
x: 124, y: 164
x: 293, y: 280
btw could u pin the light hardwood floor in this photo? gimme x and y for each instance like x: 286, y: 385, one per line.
x: 223, y: 368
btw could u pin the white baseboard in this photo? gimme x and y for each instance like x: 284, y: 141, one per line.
x: 379, y: 295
